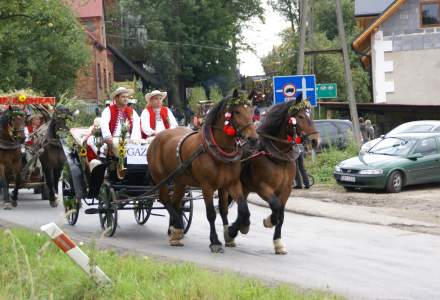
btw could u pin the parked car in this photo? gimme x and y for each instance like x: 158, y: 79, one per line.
x: 334, y: 133
x: 394, y: 162
x: 409, y: 127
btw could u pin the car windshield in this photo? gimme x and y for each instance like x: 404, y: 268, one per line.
x: 412, y: 128
x: 393, y: 146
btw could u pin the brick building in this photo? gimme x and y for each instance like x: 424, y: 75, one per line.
x: 94, y: 81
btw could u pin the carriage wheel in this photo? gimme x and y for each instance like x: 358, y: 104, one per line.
x: 142, y: 211
x: 187, y: 211
x: 71, y: 204
x: 108, y: 210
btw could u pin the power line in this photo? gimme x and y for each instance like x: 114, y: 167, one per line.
x: 174, y: 43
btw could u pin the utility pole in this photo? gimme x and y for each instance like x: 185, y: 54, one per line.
x: 348, y: 78
x: 303, y: 8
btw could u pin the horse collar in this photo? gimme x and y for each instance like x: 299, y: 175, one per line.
x: 215, y: 150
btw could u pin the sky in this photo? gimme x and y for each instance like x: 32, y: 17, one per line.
x: 262, y: 37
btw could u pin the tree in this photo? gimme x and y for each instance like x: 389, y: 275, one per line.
x: 42, y: 46
x: 192, y: 42
x: 288, y: 9
x: 327, y: 67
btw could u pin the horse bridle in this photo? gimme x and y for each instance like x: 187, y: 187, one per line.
x: 14, y: 131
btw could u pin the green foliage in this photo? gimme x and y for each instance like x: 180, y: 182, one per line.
x: 215, y: 93
x: 323, y: 166
x: 42, y: 46
x: 191, y: 42
x: 329, y: 68
x: 32, y: 267
x: 197, y: 94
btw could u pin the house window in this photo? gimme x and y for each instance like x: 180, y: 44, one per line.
x: 98, y: 74
x: 105, y: 79
x: 430, y: 13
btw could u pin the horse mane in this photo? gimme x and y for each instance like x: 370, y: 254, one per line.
x: 211, y: 117
x: 275, y: 119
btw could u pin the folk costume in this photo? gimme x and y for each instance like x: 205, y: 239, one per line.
x: 113, y: 118
x: 155, y: 120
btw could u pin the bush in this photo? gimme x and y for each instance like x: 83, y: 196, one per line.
x: 325, y: 162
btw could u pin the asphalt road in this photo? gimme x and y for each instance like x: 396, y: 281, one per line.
x: 358, y: 261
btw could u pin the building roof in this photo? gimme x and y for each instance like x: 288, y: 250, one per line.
x: 88, y: 9
x: 370, y: 7
x: 362, y: 44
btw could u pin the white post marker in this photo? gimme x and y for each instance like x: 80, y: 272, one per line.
x: 76, y: 254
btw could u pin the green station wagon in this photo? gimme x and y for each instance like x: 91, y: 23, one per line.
x: 394, y: 162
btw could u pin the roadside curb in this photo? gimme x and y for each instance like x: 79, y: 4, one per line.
x: 356, y: 214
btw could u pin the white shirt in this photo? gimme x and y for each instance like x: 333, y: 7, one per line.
x: 105, y: 125
x: 160, y: 126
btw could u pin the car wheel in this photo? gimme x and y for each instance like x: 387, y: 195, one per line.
x: 395, y: 182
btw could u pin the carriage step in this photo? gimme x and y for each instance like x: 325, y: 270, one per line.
x: 91, y: 211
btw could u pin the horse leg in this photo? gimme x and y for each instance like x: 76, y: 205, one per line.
x: 280, y: 247
x: 179, y: 192
x: 223, y: 197
x: 5, y: 189
x: 48, y: 175
x: 216, y: 245
x: 56, y: 177
x: 18, y: 181
x: 242, y: 222
x: 174, y: 234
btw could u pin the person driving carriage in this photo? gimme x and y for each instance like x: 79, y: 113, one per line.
x: 116, y: 115
x: 156, y: 117
x: 34, y: 122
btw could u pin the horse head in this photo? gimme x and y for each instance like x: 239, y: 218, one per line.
x: 300, y: 121
x: 60, y: 117
x: 237, y: 117
x: 13, y: 123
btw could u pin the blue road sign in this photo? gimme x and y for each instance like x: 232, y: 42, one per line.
x: 286, y: 88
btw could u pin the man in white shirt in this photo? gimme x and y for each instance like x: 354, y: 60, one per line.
x: 156, y: 117
x: 118, y: 114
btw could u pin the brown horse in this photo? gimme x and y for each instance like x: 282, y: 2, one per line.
x: 215, y: 164
x: 271, y: 174
x: 12, y: 123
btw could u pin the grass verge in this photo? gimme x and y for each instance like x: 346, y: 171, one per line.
x: 32, y: 267
x: 325, y: 162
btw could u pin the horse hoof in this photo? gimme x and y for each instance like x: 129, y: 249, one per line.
x: 280, y: 247
x: 231, y: 244
x: 216, y: 248
x: 14, y: 203
x: 244, y: 229
x: 7, y: 206
x: 53, y: 203
x: 232, y: 232
x: 176, y: 243
x: 175, y: 234
x: 267, y: 222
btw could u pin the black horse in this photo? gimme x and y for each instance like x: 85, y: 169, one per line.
x: 52, y: 158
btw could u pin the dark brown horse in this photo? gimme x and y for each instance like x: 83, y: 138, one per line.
x: 271, y: 173
x: 215, y: 162
x: 12, y: 123
x: 53, y: 158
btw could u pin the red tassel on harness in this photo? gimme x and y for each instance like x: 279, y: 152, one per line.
x: 298, y: 140
x: 229, y: 130
x: 289, y: 138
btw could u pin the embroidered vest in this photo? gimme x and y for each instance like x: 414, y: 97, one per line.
x: 163, y: 115
x: 127, y: 113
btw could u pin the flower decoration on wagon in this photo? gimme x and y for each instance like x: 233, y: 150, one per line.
x: 22, y: 98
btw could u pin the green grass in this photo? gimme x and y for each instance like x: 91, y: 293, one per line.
x: 325, y: 162
x: 31, y: 267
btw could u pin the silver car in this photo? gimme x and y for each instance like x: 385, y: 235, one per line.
x: 410, y: 127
